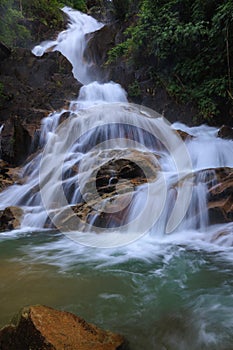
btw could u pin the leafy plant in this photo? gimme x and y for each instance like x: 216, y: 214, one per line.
x: 134, y: 89
x: 189, y: 47
x: 12, y: 30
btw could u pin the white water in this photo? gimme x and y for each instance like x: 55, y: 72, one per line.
x: 101, y: 120
x: 162, y: 290
x: 71, y: 42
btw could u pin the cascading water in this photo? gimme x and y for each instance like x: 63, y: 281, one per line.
x: 172, y: 286
x: 71, y: 43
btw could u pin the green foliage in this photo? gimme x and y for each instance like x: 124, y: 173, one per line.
x: 189, y: 46
x: 46, y: 11
x: 76, y: 4
x: 134, y: 89
x: 12, y: 30
x: 15, y: 13
x: 118, y: 51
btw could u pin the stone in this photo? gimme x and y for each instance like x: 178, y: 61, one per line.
x: 10, y: 218
x: 44, y: 328
x: 184, y: 135
x: 220, y: 201
x: 226, y: 132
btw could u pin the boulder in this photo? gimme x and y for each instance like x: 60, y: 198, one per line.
x: 41, y: 327
x: 10, y: 218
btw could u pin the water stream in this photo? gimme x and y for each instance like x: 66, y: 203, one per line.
x: 163, y: 276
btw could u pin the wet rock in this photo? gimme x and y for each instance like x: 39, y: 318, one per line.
x: 41, y: 327
x: 220, y: 201
x: 219, y: 196
x: 8, y: 175
x: 10, y: 218
x: 184, y: 135
x: 226, y: 132
x: 32, y: 88
x: 109, y: 191
x: 96, y: 52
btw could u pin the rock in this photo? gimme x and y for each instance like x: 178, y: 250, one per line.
x: 220, y: 201
x: 109, y: 191
x: 8, y: 175
x: 100, y: 10
x: 32, y: 87
x: 184, y: 135
x: 219, y: 196
x: 41, y: 327
x: 96, y: 52
x: 10, y: 218
x: 226, y: 132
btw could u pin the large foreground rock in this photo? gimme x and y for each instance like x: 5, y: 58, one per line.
x: 10, y: 218
x: 43, y: 328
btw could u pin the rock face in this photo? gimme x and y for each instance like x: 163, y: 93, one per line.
x: 10, y: 218
x: 32, y: 88
x: 43, y: 328
x: 96, y: 52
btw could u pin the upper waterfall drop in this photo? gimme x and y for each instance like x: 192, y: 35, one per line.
x: 71, y: 43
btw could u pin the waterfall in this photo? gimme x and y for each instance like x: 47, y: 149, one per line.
x: 112, y: 174
x: 78, y: 183
x: 72, y: 42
